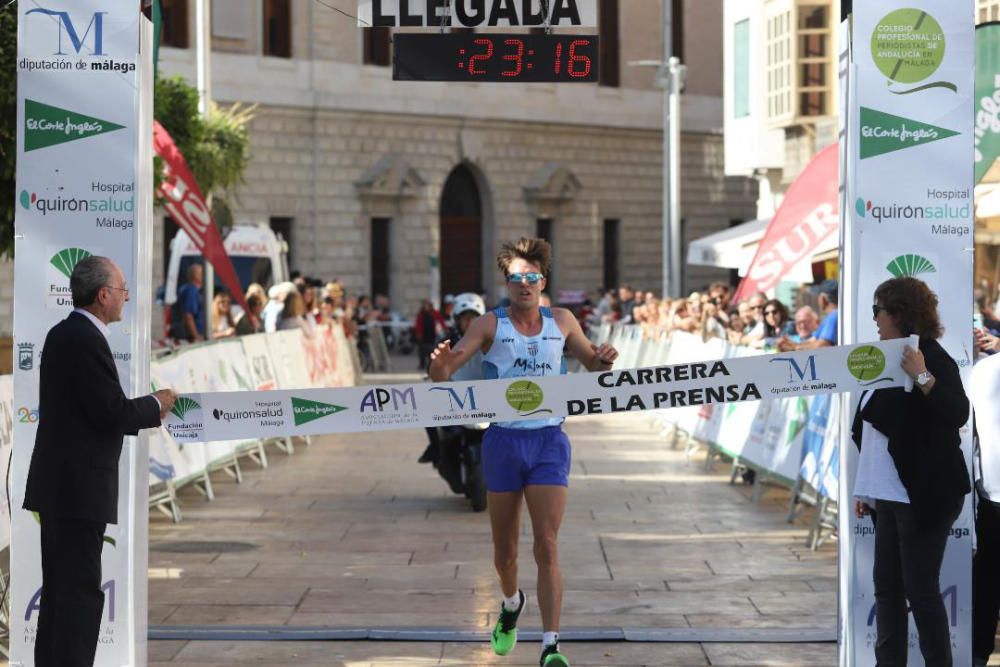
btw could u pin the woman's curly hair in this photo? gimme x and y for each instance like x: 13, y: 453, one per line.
x: 912, y: 305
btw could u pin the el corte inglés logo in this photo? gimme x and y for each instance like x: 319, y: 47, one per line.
x: 866, y: 362
x: 46, y: 125
x: 306, y: 411
x: 883, y: 133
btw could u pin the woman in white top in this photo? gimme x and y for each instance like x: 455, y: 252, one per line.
x: 912, y: 475
x: 222, y: 316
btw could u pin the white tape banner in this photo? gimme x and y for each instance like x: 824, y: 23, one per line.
x: 214, y: 416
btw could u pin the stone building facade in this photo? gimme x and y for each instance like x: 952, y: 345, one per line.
x: 374, y: 178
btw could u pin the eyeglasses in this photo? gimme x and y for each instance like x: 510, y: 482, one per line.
x: 771, y: 312
x: 120, y: 289
x: 876, y: 309
x: 531, y: 278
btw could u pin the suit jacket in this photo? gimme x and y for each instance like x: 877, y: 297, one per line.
x: 82, y: 416
x: 923, y: 433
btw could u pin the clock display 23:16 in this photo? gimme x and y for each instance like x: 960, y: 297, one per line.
x: 563, y: 57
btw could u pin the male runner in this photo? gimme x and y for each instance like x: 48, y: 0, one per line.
x: 530, y: 459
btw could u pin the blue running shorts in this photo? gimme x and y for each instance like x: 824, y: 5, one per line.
x: 514, y: 458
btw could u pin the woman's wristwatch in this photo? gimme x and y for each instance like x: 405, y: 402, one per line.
x: 924, y: 378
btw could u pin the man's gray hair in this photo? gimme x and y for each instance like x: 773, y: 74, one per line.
x: 89, y: 276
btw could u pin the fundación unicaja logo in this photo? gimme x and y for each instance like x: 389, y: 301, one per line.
x: 46, y: 125
x: 66, y: 260
x: 908, y: 47
x: 526, y: 397
x: 60, y: 268
x: 184, y: 405
x: 910, y: 265
x: 305, y: 410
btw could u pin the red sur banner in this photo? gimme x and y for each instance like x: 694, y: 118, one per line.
x: 806, y: 217
x: 186, y: 205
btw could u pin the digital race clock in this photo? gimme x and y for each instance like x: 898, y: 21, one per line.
x: 494, y: 57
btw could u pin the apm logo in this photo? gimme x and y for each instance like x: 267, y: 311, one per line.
x: 66, y: 25
x: 381, y: 400
x: 796, y: 373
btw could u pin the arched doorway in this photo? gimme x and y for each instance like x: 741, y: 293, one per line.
x: 461, y: 232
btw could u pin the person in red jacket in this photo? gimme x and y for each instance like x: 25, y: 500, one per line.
x: 429, y: 325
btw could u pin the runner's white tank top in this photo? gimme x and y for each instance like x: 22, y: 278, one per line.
x: 514, y: 355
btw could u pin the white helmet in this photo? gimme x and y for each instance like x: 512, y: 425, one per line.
x: 468, y: 301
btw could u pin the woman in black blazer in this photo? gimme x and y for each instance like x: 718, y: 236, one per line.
x: 912, y: 475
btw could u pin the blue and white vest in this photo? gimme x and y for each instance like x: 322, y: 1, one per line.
x: 513, y: 355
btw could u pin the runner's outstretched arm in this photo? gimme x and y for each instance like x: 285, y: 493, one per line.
x: 445, y: 360
x: 592, y: 357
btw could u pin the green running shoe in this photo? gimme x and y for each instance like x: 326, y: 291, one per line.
x: 551, y: 657
x: 504, y: 637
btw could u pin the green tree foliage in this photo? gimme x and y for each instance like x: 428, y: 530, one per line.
x: 217, y: 148
x: 8, y: 123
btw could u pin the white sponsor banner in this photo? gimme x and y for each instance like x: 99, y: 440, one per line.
x: 79, y: 192
x: 237, y: 415
x: 477, y: 13
x: 909, y: 213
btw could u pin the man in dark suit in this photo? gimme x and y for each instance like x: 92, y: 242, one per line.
x: 73, y: 477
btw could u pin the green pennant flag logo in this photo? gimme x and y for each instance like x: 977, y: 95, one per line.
x: 306, y: 411
x: 46, y: 125
x: 883, y: 133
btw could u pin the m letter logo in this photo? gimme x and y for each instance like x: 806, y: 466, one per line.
x: 797, y: 373
x: 66, y: 25
x: 468, y: 402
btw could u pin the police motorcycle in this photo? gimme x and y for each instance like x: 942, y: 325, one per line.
x: 456, y: 451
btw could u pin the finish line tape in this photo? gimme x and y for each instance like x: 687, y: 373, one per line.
x: 213, y: 416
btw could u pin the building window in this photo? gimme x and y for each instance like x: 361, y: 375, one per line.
x: 278, y: 28
x: 989, y: 10
x: 780, y: 77
x: 380, y: 255
x: 283, y: 228
x: 741, y: 69
x: 377, y: 47
x: 174, y: 23
x: 612, y: 232
x: 813, y: 60
x: 677, y: 29
x: 609, y: 67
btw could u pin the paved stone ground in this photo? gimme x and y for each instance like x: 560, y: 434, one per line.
x: 352, y: 532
